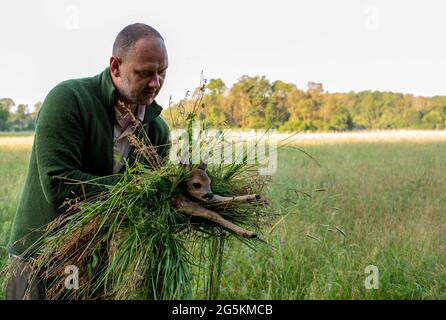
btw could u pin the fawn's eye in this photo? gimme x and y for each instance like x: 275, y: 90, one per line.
x: 196, y: 185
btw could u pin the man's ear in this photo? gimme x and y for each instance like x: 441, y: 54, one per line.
x: 203, y: 166
x: 114, y: 66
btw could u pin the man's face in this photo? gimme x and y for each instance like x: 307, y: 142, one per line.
x: 140, y: 75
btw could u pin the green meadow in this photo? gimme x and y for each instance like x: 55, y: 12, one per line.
x: 365, y: 204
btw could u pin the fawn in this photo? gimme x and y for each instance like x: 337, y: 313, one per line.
x: 198, y: 187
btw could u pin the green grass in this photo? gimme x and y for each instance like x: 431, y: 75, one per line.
x: 13, y: 167
x: 384, y: 205
x: 16, y: 133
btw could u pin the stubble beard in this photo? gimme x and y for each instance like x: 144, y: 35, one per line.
x: 132, y: 99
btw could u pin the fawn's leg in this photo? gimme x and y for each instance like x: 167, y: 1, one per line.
x: 249, y: 197
x: 194, y: 209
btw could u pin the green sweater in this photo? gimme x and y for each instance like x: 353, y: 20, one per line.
x: 73, y: 139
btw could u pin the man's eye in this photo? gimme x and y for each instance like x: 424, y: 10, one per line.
x: 144, y: 74
x: 196, y: 185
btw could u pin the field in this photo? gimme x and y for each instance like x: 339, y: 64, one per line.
x: 369, y: 203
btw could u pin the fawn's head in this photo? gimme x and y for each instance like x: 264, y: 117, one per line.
x: 198, y: 185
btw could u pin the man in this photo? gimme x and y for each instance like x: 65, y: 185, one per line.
x: 81, y: 134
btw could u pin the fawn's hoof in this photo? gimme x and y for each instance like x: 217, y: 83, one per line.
x: 252, y: 236
x: 258, y: 197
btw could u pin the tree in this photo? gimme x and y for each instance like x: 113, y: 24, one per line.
x: 32, y: 117
x: 37, y: 107
x: 21, y: 116
x: 215, y: 104
x: 433, y: 120
x: 5, y: 113
x: 315, y: 89
x: 408, y: 118
x: 216, y: 86
x: 249, y: 97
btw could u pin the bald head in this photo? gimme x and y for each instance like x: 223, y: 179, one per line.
x: 138, y: 64
x: 127, y: 38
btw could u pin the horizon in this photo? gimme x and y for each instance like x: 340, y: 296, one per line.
x: 31, y: 106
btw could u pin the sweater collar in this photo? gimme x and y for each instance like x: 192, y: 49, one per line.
x: 108, y: 91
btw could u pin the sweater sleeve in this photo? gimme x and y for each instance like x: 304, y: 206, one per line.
x: 59, y: 143
x: 165, y: 142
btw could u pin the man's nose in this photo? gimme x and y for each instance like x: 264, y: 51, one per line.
x: 155, y: 81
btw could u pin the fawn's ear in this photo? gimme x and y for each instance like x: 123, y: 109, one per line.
x: 186, y: 166
x: 203, y: 166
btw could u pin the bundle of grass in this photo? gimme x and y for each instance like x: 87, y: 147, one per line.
x: 140, y: 239
x: 133, y: 242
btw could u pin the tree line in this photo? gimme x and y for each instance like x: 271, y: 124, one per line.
x: 255, y: 102
x: 17, y: 117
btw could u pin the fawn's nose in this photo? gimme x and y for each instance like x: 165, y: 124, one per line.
x: 208, y: 196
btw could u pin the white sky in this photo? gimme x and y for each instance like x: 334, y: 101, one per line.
x: 354, y: 45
